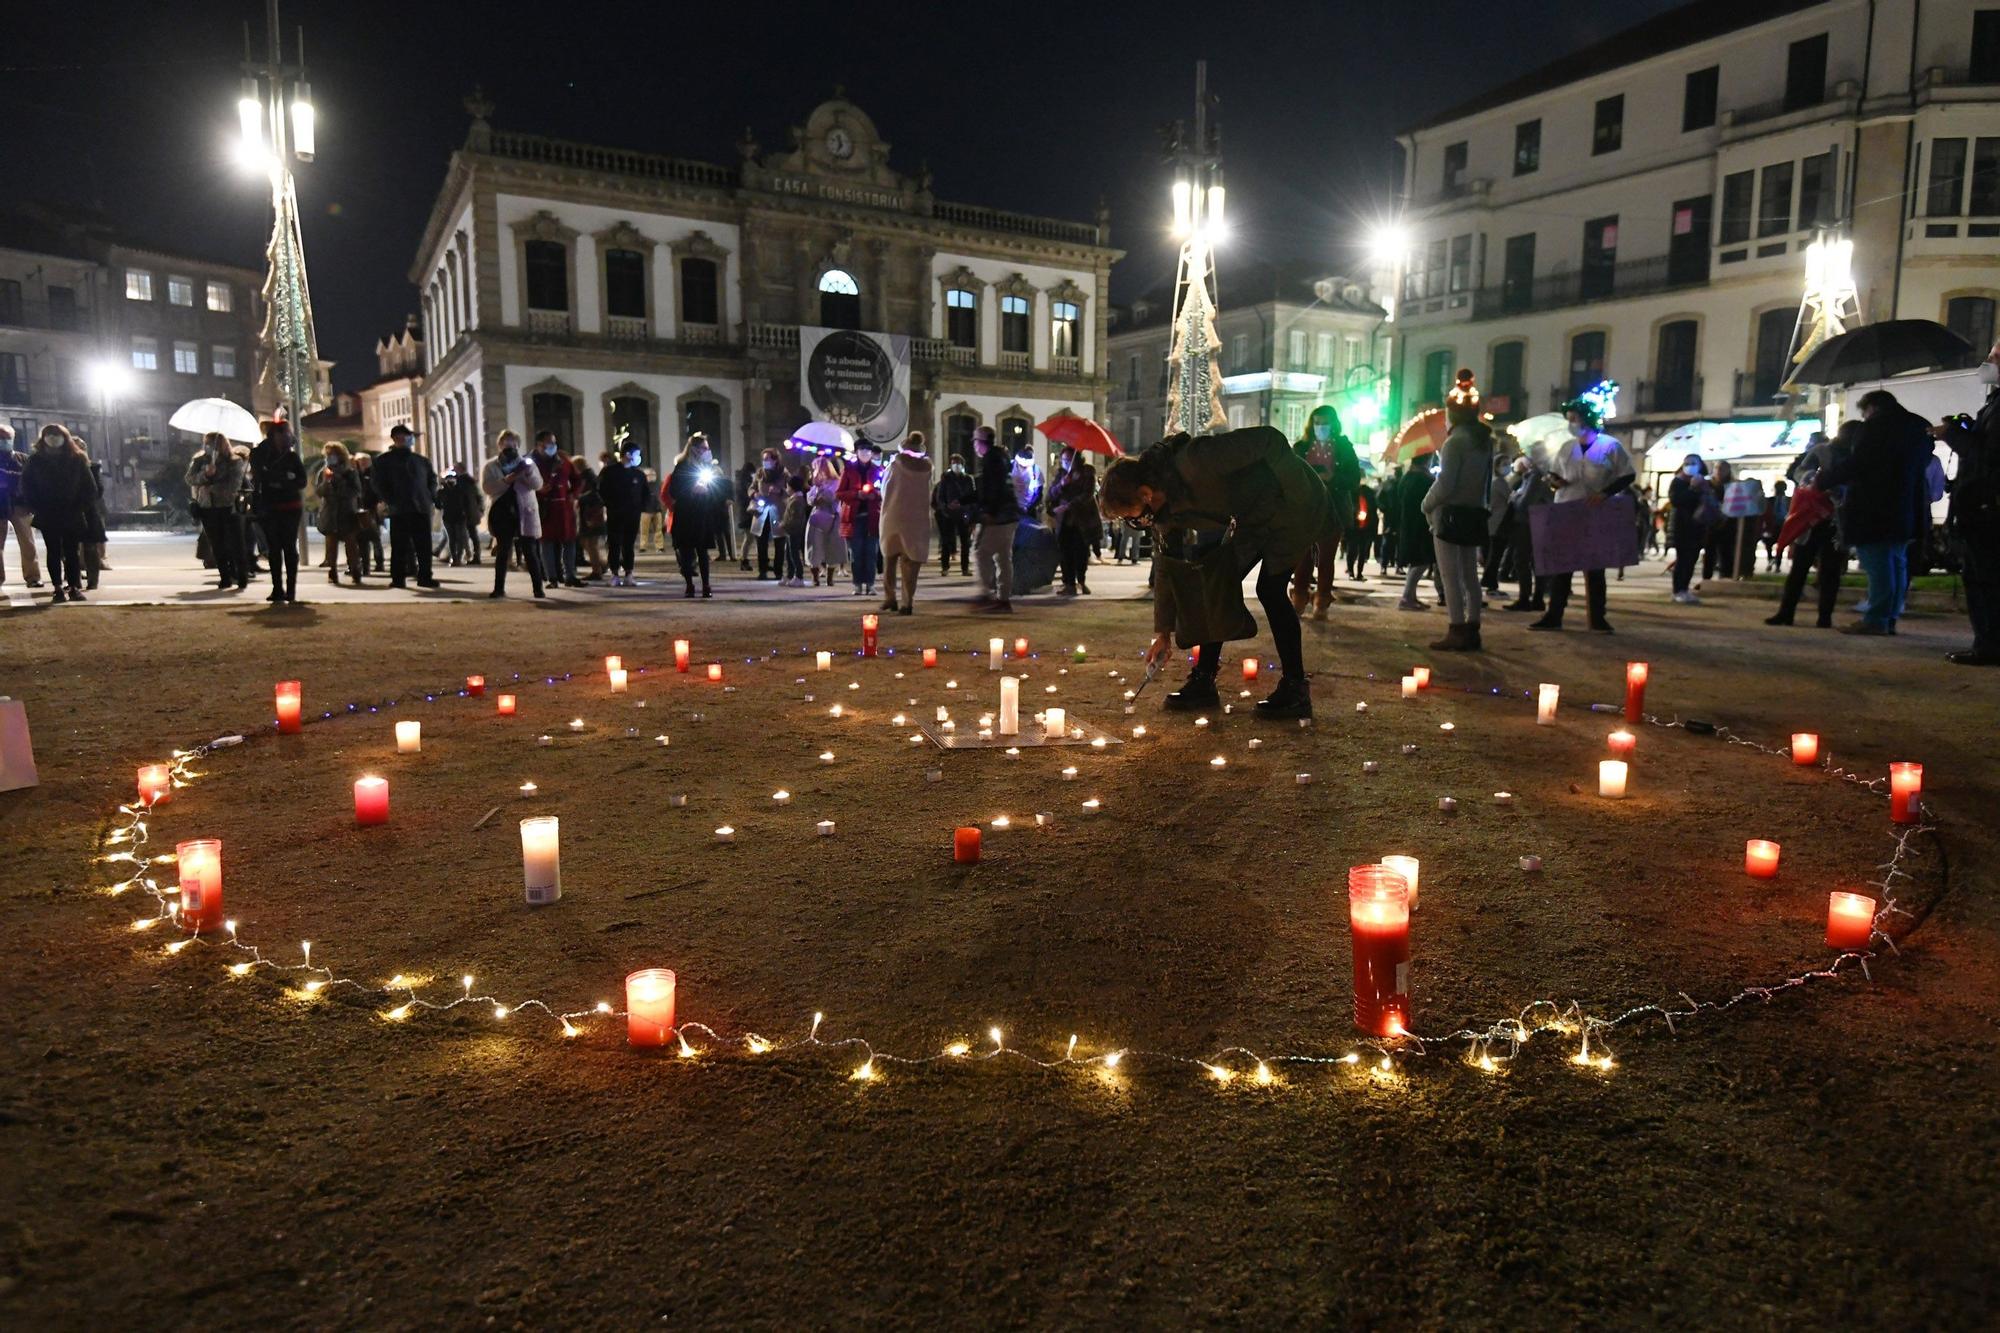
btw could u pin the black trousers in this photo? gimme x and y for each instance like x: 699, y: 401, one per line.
x: 693, y: 561
x: 622, y: 537
x: 409, y: 547
x: 1273, y: 586
x: 225, y: 544
x: 281, y: 538
x: 529, y: 549
x: 1981, y: 551
x: 1685, y: 556
x: 64, y: 549
x: 1073, y: 550
x: 1559, y: 589
x: 954, y: 534
x: 1819, y: 547
x: 460, y: 540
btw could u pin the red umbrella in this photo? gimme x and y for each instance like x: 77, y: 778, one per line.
x: 1082, y: 434
x: 1424, y: 435
x: 1810, y: 506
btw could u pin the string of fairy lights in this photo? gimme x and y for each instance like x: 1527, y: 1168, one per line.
x: 1491, y: 1047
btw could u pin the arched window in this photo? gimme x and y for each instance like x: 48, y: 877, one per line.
x: 553, y: 411
x: 839, y: 300
x: 1014, y: 324
x: 961, y: 318
x: 1971, y: 318
x: 634, y: 416
x: 704, y: 416
x: 1067, y: 319
x: 700, y: 299
x: 958, y: 430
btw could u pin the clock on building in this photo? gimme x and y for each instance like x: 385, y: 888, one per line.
x: 839, y: 143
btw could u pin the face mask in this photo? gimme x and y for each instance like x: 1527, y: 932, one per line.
x: 1322, y: 432
x: 1577, y: 432
x: 1989, y: 373
x: 1692, y: 470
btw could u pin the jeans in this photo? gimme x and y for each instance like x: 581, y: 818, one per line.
x: 409, y: 547
x: 371, y: 539
x: 558, y: 560
x: 1416, y: 573
x: 1272, y: 582
x: 1887, y: 565
x: 460, y: 539
x: 24, y: 539
x: 1818, y: 547
x: 862, y: 549
x: 1459, y: 568
x: 993, y: 559
x: 622, y: 537
x: 794, y: 547
x: 504, y: 549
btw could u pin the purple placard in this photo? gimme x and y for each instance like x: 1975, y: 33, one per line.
x: 1579, y: 535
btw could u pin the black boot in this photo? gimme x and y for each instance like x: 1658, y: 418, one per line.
x: 1472, y: 642
x: 1454, y: 640
x: 1292, y: 698
x: 1549, y: 620
x: 1196, y: 694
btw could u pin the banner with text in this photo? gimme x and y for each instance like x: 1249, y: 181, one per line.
x: 860, y: 380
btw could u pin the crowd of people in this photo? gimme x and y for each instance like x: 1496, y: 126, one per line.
x: 57, y: 488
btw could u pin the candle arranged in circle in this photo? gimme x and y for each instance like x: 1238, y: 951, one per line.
x: 504, y: 704
x: 1055, y: 722
x: 1409, y: 687
x: 201, y: 883
x: 649, y: 1006
x: 1021, y: 648
x: 1621, y: 743
x: 1635, y: 690
x: 1546, y: 700
x: 371, y: 800
x: 996, y: 650
x: 409, y: 737
x: 1079, y: 655
x: 613, y: 663
x: 1423, y: 675
x: 822, y: 660
x: 930, y: 657
x: 1906, y: 784
x: 965, y: 845
x: 290, y: 698
x: 475, y: 686
x: 1378, y: 915
x: 541, y: 858
x: 618, y: 680
x: 1760, y: 858
x: 156, y: 784
x: 1805, y: 748
x: 1010, y: 705
x: 715, y: 671
x: 1611, y: 775
x: 682, y: 655
x: 870, y: 623
x: 1249, y: 668
x: 1850, y: 920
x: 1408, y: 867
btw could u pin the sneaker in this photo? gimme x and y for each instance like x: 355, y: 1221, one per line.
x: 1193, y: 696
x: 1409, y: 604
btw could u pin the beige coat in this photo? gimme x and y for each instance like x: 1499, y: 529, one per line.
x: 906, y: 508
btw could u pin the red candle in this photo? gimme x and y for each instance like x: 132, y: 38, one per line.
x: 475, y: 686
x: 715, y: 671
x: 289, y: 697
x: 371, y: 800
x: 1378, y: 914
x: 1906, y: 783
x: 869, y: 624
x: 965, y: 845
x: 1021, y: 648
x: 681, y: 655
x: 1805, y: 748
x: 1249, y: 668
x: 1850, y: 920
x: 1635, y: 691
x: 1194, y: 655
x: 649, y: 1006
x: 1422, y: 675
x: 1621, y: 743
x: 1760, y: 859
x: 201, y: 883
x: 930, y: 657
x: 156, y: 784
x: 506, y: 705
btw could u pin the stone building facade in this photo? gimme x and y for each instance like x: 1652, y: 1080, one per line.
x: 590, y: 290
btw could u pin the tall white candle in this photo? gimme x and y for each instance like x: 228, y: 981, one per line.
x: 618, y: 680
x: 1407, y: 867
x: 1055, y: 721
x: 1010, y: 705
x: 823, y: 660
x: 541, y: 858
x: 996, y: 652
x: 1611, y: 778
x: 409, y: 737
x: 1545, y: 704
x: 1409, y: 687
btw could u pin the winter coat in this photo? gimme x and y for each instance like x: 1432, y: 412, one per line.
x: 405, y: 481
x: 338, y: 489
x: 860, y: 496
x: 1687, y: 496
x: 1464, y: 473
x: 1075, y: 501
x: 11, y: 464
x: 214, y: 479
x: 1250, y: 476
x: 1886, y: 497
x: 1413, y: 534
x: 1583, y: 472
x: 797, y: 511
x: 994, y: 498
x: 557, y: 499
x: 590, y: 511
x: 277, y: 478
x: 624, y: 490
x: 1338, y: 468
x: 56, y: 485
x: 93, y: 519
x: 951, y: 498
x: 459, y: 499
x: 823, y: 524
x: 523, y: 517
x: 699, y: 498
x: 906, y: 508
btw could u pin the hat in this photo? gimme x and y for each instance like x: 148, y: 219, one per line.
x: 1463, y: 393
x: 400, y: 429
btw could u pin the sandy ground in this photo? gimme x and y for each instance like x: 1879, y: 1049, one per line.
x: 208, y: 1149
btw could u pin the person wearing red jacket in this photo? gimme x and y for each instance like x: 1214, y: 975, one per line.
x: 860, y: 497
x: 557, y: 503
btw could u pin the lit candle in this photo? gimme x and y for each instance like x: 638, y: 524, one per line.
x: 930, y: 657
x: 156, y: 784
x: 1079, y: 655
x: 1408, y: 867
x: 825, y: 827
x: 1850, y: 920
x: 1635, y: 691
x: 541, y: 858
x: 1055, y: 722
x: 1021, y: 649
x: 289, y: 699
x: 715, y: 671
x: 1760, y: 859
x: 1218, y: 762
x: 475, y: 686
x: 1423, y: 675
x: 201, y: 883
x: 1611, y: 778
x: 613, y: 663
x: 1249, y: 668
x: 965, y: 845
x: 996, y: 649
x: 1378, y: 915
x: 371, y: 800
x: 618, y: 679
x: 681, y: 652
x: 1621, y: 743
x: 1545, y: 704
x: 1409, y: 687
x: 869, y: 624
x: 1906, y: 783
x: 649, y: 1007
x: 1069, y: 774
x: 1092, y: 806
x: 505, y: 704
x: 1805, y: 748
x: 781, y: 796
x: 1010, y: 705
x: 727, y: 833
x: 409, y: 737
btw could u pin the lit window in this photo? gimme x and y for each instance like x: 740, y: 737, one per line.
x: 1067, y: 321
x: 138, y: 285
x: 961, y: 318
x: 187, y: 359
x: 223, y: 357
x: 838, y: 281
x: 180, y: 291
x: 220, y: 298
x: 145, y: 353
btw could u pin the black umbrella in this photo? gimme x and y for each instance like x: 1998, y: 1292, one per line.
x: 1878, y: 351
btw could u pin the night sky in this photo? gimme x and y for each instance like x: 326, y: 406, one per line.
x: 130, y: 109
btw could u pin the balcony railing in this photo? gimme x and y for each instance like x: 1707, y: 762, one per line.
x: 1750, y: 391
x: 1013, y: 360
x: 548, y: 323
x: 993, y: 219
x: 1670, y: 395
x: 25, y: 314
x: 627, y: 328
x: 618, y: 161
x: 778, y: 337
x: 1639, y: 277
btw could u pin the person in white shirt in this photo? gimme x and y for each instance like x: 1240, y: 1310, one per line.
x: 1591, y: 468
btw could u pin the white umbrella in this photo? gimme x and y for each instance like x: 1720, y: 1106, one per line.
x: 823, y: 435
x: 216, y: 415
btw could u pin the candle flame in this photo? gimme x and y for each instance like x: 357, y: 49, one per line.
x: 958, y: 1048
x: 865, y: 1072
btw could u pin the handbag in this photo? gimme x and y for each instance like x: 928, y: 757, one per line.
x: 1468, y: 525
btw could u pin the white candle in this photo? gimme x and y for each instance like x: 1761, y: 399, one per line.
x: 826, y: 756
x: 1409, y: 687
x: 1055, y: 722
x: 1408, y: 867
x: 725, y: 834
x: 825, y: 827
x: 1010, y: 705
x: 1303, y: 779
x: 996, y: 652
x: 1069, y: 774
x: 1092, y: 806
x: 1611, y: 778
x: 1545, y: 704
x: 677, y: 800
x: 823, y: 660
x: 781, y: 796
x: 409, y: 737
x: 541, y: 858
x: 618, y: 678
x: 1503, y: 798
x: 1531, y: 863
x: 1369, y: 768
x: 943, y: 713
